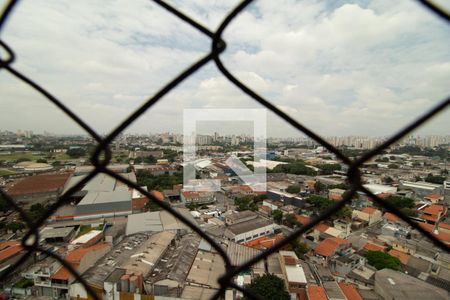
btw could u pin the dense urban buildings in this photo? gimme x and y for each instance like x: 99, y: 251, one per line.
x: 126, y: 246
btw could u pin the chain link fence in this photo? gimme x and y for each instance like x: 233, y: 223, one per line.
x: 102, y: 154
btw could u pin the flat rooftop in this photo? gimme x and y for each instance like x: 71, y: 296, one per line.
x: 206, y: 269
x: 105, y: 197
x: 149, y: 252
x: 248, y: 225
x: 401, y: 286
x: 49, y: 232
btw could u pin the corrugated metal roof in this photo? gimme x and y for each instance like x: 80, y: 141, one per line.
x: 101, y: 183
x: 148, y: 221
x: 105, y: 197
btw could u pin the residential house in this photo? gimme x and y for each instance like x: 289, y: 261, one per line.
x: 189, y: 197
x: 330, y: 247
x: 370, y: 215
x: 293, y: 273
x: 336, y: 194
x: 433, y: 198
x: 433, y: 213
x: 342, y: 265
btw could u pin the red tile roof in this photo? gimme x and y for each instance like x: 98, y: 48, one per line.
x: 373, y: 247
x: 190, y: 194
x: 303, y: 219
x: 391, y: 217
x: 74, y: 258
x: 443, y: 236
x: 434, y: 196
x: 335, y: 197
x: 266, y: 208
x: 159, y: 195
x: 9, y: 249
x: 349, y: 291
x: 369, y: 210
x: 321, y: 227
x: 434, y: 209
x: 444, y: 225
x: 264, y: 242
x: 316, y: 292
x: 289, y: 260
x: 39, y: 184
x: 400, y: 255
x: 429, y: 218
x: 301, y: 294
x: 61, y: 274
x: 328, y: 246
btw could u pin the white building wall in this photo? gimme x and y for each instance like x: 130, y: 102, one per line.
x: 77, y: 289
x: 254, y: 234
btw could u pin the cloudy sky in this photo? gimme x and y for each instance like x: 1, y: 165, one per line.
x: 347, y: 68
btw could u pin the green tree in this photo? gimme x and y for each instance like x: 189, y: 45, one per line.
x: 328, y: 169
x: 435, y: 179
x: 277, y: 216
x: 21, y: 159
x: 319, y: 187
x: 293, y: 189
x: 152, y: 206
x: 14, y: 226
x: 393, y: 166
x: 158, y: 182
x: 291, y: 221
x: 381, y: 260
x: 259, y: 198
x: 269, y: 286
x: 76, y: 152
x: 318, y: 202
x: 4, y: 205
x: 245, y: 203
x: 41, y: 160
x: 321, y: 203
x: 388, y: 180
x: 36, y: 211
x: 300, y: 248
x: 401, y: 202
x: 298, y: 168
x: 344, y: 213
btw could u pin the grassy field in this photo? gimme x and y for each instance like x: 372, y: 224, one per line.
x: 5, y: 172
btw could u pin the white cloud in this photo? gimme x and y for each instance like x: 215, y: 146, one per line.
x: 341, y: 70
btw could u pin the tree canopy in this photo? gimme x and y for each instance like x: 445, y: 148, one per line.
x: 277, y: 216
x: 297, y: 167
x: 245, y: 203
x: 328, y: 169
x: 321, y: 203
x: 158, y: 182
x: 435, y: 179
x: 381, y: 260
x: 293, y: 189
x: 76, y: 152
x: 269, y: 286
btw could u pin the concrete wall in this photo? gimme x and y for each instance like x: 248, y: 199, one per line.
x: 254, y: 234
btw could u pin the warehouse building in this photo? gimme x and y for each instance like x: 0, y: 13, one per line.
x: 104, y: 204
x: 39, y: 188
x: 249, y: 230
x: 102, y: 197
x: 390, y: 285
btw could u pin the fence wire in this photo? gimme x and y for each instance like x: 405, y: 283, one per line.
x: 30, y: 242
